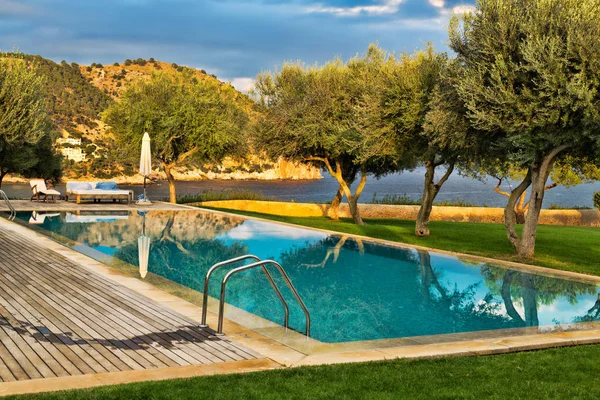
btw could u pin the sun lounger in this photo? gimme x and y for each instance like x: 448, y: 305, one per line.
x: 39, y: 189
x: 97, y: 191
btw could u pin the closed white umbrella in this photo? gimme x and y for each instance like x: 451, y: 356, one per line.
x: 145, y: 161
x: 143, y: 252
x: 143, y: 249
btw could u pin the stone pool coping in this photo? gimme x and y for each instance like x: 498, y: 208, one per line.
x: 279, y: 355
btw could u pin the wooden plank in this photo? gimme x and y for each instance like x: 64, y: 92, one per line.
x: 88, y: 329
x: 48, y: 366
x: 63, y: 355
x: 68, y: 328
x: 227, y: 352
x: 107, y: 329
x: 236, y: 352
x: 58, y: 319
x: 83, y: 354
x: 15, y: 371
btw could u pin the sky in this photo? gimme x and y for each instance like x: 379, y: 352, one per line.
x: 233, y: 39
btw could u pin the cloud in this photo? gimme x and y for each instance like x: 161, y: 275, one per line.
x: 463, y: 9
x: 258, y: 230
x: 10, y: 7
x: 437, y: 3
x: 233, y: 39
x: 243, y: 84
x: 385, y: 7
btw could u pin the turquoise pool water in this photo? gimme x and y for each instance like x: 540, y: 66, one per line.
x: 355, y: 290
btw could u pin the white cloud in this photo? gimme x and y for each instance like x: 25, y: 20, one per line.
x: 463, y: 9
x: 14, y: 7
x: 386, y: 7
x: 243, y: 84
x: 259, y: 230
x: 437, y: 3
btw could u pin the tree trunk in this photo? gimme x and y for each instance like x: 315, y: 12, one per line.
x: 430, y: 191
x: 352, y: 199
x: 334, y: 209
x: 353, y: 203
x: 171, y: 179
x: 510, y: 214
x: 506, y: 297
x: 2, y: 175
x: 529, y: 300
x: 538, y: 176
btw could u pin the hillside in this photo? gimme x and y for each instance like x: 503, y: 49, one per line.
x: 78, y: 94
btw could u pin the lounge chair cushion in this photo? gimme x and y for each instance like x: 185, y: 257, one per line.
x: 107, y: 186
x: 77, y: 186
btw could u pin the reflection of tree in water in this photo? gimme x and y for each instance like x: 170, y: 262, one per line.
x: 593, y: 313
x: 460, y: 307
x: 530, y: 291
x: 386, y: 292
x: 182, y: 261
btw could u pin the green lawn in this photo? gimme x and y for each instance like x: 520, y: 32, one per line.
x: 567, y: 373
x: 562, y: 247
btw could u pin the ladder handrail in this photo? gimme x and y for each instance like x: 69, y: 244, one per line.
x: 261, y: 264
x: 13, y: 213
x: 233, y: 261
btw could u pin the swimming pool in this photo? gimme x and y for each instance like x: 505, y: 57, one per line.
x: 355, y: 290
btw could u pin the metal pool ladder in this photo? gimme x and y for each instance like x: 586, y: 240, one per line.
x: 257, y: 264
x: 13, y: 213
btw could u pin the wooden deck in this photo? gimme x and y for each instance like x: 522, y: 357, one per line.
x: 58, y: 319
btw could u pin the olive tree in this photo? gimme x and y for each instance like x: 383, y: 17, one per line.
x: 531, y: 83
x: 316, y: 114
x: 24, y: 119
x: 190, y: 121
x: 423, y: 122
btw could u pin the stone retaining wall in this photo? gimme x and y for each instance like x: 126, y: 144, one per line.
x: 439, y: 213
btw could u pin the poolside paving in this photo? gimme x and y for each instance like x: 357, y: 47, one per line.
x: 61, y: 205
x: 58, y: 319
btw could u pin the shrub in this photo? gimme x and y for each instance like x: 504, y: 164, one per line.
x: 89, y: 69
x: 174, y: 65
x: 597, y: 200
x: 152, y: 60
x: 233, y: 194
x: 116, y: 64
x: 127, y: 62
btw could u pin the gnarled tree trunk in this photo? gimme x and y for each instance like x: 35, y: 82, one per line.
x: 537, y: 176
x: 521, y: 206
x: 334, y: 209
x: 172, y: 191
x: 430, y: 191
x: 345, y: 182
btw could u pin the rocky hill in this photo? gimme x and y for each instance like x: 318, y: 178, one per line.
x: 77, y: 95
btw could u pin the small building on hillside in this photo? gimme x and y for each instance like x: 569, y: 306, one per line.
x: 73, y: 153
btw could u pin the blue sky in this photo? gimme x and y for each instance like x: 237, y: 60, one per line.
x: 234, y: 39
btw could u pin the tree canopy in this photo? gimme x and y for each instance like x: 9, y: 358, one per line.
x: 190, y: 121
x: 531, y: 83
x: 26, y: 140
x: 319, y: 115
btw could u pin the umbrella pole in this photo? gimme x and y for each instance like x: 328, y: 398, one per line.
x: 145, y: 199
